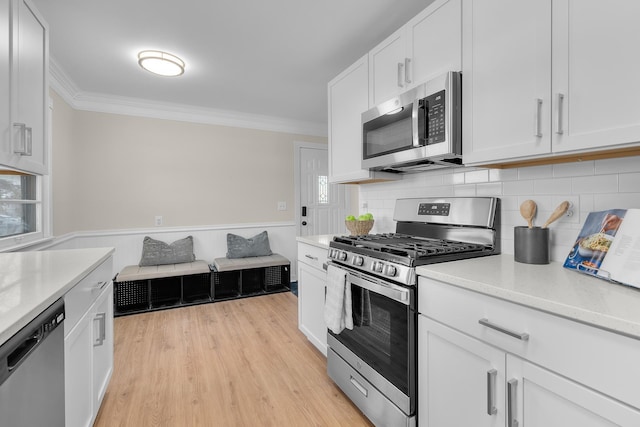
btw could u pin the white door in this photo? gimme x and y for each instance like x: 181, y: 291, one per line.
x: 546, y: 399
x: 459, y: 379
x: 322, y: 206
x: 506, y: 66
x: 594, y: 73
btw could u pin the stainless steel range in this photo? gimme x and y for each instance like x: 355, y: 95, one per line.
x: 375, y: 362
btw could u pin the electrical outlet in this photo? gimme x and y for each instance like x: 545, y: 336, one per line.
x: 282, y: 206
x: 158, y: 221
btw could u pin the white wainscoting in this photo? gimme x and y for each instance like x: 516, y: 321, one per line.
x: 209, y: 241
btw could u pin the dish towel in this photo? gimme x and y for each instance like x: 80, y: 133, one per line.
x: 337, y: 305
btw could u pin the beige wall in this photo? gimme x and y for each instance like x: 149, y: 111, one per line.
x: 117, y: 172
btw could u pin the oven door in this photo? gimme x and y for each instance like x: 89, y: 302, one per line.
x: 383, y: 336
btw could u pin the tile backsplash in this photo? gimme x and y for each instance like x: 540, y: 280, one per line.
x: 588, y: 186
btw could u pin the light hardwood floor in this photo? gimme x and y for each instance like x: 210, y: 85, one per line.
x: 233, y: 363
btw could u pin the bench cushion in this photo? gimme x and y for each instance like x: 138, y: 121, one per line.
x: 133, y: 272
x: 226, y: 264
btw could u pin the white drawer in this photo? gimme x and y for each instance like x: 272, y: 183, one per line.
x: 603, y: 360
x: 79, y: 299
x: 312, y: 255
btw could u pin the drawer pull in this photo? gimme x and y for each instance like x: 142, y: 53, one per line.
x: 521, y: 336
x: 512, y: 386
x: 491, y: 392
x: 314, y: 258
x: 359, y: 386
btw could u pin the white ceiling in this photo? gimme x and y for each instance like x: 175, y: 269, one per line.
x: 268, y: 58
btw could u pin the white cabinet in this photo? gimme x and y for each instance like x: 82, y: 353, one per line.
x: 428, y: 45
x: 548, y: 77
x: 312, y: 284
x: 348, y: 99
x: 594, y: 74
x: 453, y: 369
x: 24, y: 79
x: 488, y: 362
x: 88, y: 345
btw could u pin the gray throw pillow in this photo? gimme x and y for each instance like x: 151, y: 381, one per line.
x: 239, y: 247
x: 156, y: 252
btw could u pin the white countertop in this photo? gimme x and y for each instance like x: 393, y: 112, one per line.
x: 31, y: 281
x: 321, y: 241
x: 550, y: 288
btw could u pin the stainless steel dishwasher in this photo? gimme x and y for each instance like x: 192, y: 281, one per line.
x: 32, y: 372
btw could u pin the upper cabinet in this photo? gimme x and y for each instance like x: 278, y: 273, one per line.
x: 23, y: 81
x: 548, y: 78
x: 428, y: 45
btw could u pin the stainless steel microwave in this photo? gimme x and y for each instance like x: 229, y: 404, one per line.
x: 417, y: 130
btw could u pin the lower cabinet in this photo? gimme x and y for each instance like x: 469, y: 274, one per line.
x: 312, y: 283
x: 473, y: 373
x: 88, y: 346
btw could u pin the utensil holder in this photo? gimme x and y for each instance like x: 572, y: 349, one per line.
x: 531, y: 245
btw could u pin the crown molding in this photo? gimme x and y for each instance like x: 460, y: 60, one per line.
x: 102, y: 103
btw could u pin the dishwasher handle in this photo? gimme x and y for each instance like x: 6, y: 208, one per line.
x: 23, y: 343
x: 24, y: 349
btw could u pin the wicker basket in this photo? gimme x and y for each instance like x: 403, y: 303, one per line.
x: 359, y: 228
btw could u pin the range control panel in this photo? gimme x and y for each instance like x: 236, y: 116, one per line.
x: 439, y: 209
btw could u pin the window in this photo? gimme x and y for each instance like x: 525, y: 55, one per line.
x: 323, y: 190
x: 20, y: 207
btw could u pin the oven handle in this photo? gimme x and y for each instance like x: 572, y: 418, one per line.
x: 389, y: 290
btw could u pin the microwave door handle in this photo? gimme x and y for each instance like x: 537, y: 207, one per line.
x: 396, y: 293
x: 415, y: 122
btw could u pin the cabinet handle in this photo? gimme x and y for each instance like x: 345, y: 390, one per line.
x: 512, y: 386
x: 23, y: 144
x: 519, y: 335
x: 400, y: 74
x: 102, y: 318
x: 491, y: 392
x: 560, y: 124
x: 537, y: 131
x: 407, y: 70
x: 99, y: 286
x: 28, y: 132
x: 359, y: 386
x: 314, y: 258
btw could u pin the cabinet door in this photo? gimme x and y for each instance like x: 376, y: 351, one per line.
x: 594, y: 73
x: 5, y: 83
x: 506, y: 63
x: 77, y: 366
x: 311, y: 295
x: 460, y: 379
x: 348, y: 99
x: 29, y: 82
x: 434, y: 41
x: 102, y: 317
x: 387, y: 68
x: 544, y: 399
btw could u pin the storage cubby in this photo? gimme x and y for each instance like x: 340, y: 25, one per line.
x: 138, y: 296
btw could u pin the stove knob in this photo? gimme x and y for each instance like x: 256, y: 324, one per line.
x: 374, y: 265
x: 358, y: 261
x: 390, y: 271
x: 330, y: 255
x: 342, y: 256
x: 379, y: 267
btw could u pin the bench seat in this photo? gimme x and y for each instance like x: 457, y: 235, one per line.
x: 134, y: 272
x: 226, y: 264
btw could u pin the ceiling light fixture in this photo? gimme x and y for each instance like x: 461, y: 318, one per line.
x: 161, y: 63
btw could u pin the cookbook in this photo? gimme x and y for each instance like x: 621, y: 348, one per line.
x: 608, y: 246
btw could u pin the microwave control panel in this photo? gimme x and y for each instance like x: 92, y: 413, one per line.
x: 435, y: 125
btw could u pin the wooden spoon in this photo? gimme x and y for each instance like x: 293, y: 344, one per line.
x: 528, y: 211
x: 560, y: 211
